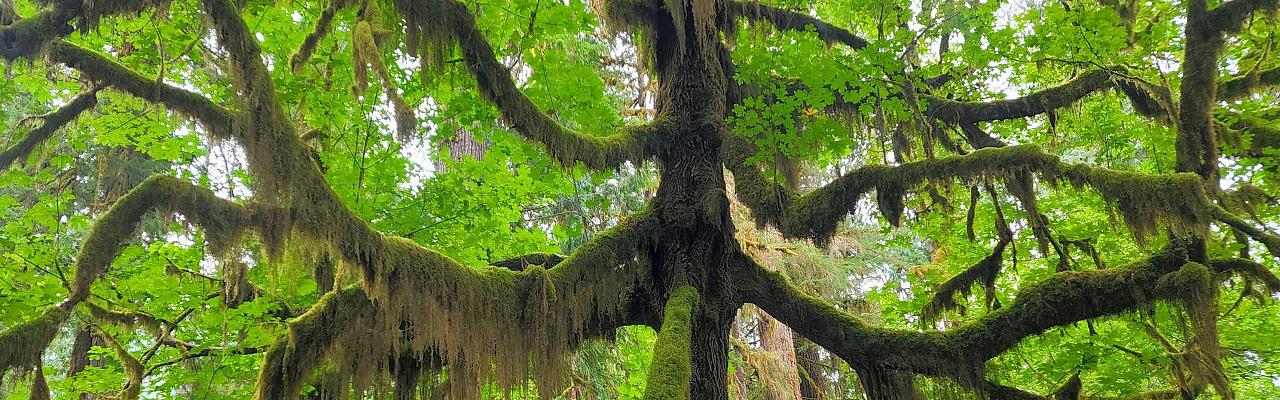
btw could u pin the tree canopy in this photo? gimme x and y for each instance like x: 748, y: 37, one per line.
x: 701, y: 199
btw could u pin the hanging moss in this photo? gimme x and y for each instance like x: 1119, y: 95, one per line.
x: 133, y: 369
x: 489, y: 324
x: 1145, y: 200
x: 21, y: 345
x: 224, y: 223
x: 984, y: 272
x: 669, y: 374
x: 308, y: 47
x: 236, y: 289
x: 788, y: 20
x: 1195, y: 287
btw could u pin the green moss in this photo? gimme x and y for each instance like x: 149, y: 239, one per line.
x: 133, y: 369
x: 984, y: 272
x: 1145, y: 200
x: 670, y: 372
x: 224, y: 223
x: 52, y: 123
x: 22, y: 344
x: 451, y: 21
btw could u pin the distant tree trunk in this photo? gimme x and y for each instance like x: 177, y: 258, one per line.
x: 813, y: 379
x: 778, y: 340
x: 79, y: 359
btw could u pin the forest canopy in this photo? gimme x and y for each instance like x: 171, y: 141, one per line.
x: 639, y: 199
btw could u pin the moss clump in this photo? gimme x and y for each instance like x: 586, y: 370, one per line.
x: 670, y: 371
x: 984, y: 272
x: 22, y: 344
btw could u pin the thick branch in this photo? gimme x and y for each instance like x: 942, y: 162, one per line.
x: 449, y: 17
x: 1143, y: 199
x: 25, y: 37
x: 670, y: 372
x: 1060, y: 299
x: 1032, y: 104
x: 788, y: 20
x: 51, y: 123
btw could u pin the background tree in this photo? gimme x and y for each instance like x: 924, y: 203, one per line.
x: 1155, y: 117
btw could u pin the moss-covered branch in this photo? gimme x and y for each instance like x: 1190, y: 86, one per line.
x: 132, y: 368
x: 98, y: 68
x: 960, y: 353
x: 1231, y: 15
x: 1144, y: 200
x: 788, y: 20
x: 26, y: 37
x: 51, y: 123
x: 487, y: 324
x: 323, y: 24
x: 1032, y: 104
x: 1245, y: 85
x: 224, y: 223
x: 22, y: 344
x: 449, y: 20
x: 670, y: 372
x: 1268, y: 240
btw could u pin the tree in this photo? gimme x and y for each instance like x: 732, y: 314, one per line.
x: 677, y: 266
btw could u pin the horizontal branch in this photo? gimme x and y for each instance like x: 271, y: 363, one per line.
x: 26, y: 37
x: 788, y: 20
x: 959, y: 353
x: 51, y: 123
x: 451, y: 20
x: 1032, y: 104
x: 1177, y: 200
x: 1243, y: 86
